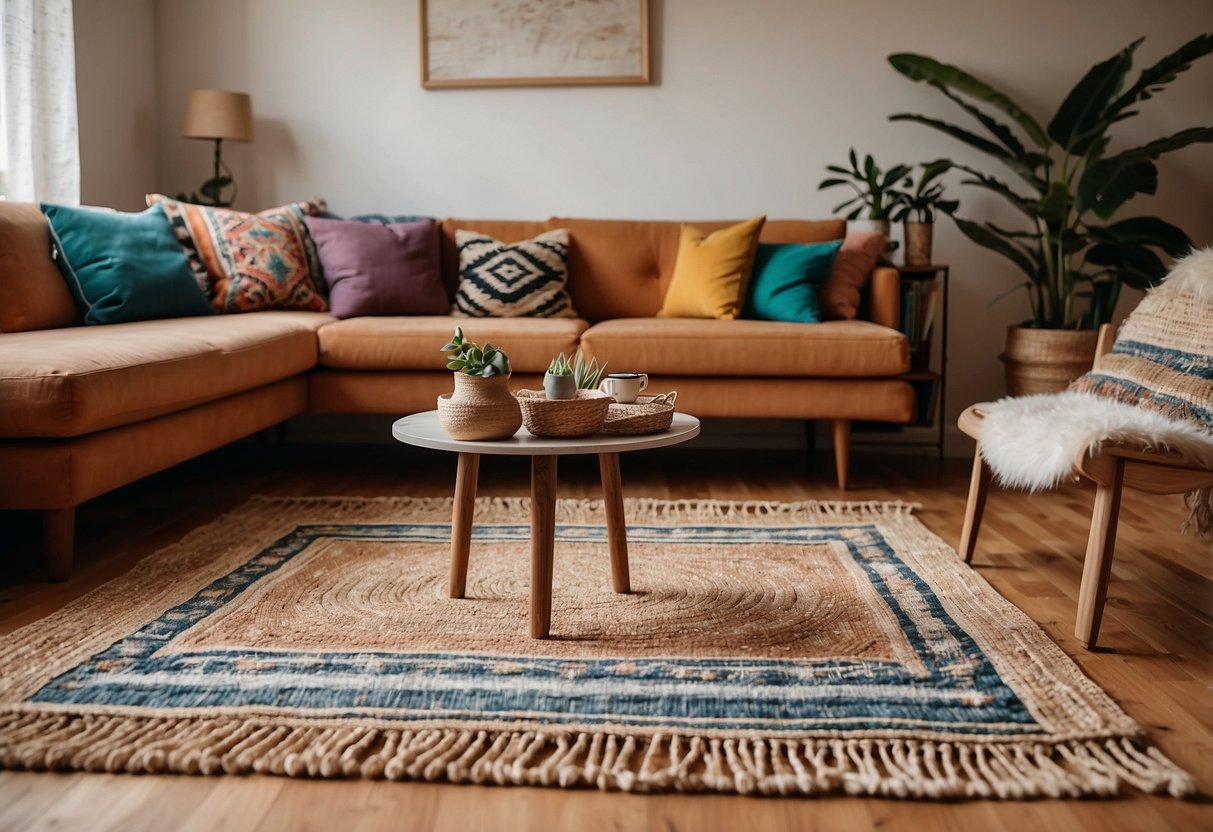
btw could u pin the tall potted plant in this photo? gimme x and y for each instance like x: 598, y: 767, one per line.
x: 874, y: 197
x: 1070, y: 186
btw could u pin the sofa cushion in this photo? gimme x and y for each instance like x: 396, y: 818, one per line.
x: 690, y: 346
x: 621, y: 268
x: 786, y: 279
x: 840, y: 296
x: 412, y: 343
x: 33, y: 295
x: 123, y: 267
x: 374, y: 268
x: 68, y: 382
x: 507, y: 231
x: 711, y: 272
x: 513, y: 280
x: 249, y: 262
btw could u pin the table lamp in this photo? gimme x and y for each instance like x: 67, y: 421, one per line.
x: 217, y: 115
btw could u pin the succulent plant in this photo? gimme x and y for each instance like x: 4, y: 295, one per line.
x: 560, y: 366
x: 587, y: 373
x: 467, y: 357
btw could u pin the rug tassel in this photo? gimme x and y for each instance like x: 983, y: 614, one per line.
x: 892, y: 767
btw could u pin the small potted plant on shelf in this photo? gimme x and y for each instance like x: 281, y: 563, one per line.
x: 558, y: 382
x: 915, y: 209
x: 481, y: 406
x: 874, y: 191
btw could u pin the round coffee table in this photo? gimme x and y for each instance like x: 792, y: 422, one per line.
x: 425, y: 431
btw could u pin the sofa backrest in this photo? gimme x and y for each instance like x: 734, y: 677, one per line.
x: 621, y: 268
x: 33, y: 295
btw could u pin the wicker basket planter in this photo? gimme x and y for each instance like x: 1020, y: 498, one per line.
x: 1046, y: 360
x: 582, y: 416
x: 480, y: 408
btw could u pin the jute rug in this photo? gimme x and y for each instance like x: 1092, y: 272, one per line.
x: 797, y: 648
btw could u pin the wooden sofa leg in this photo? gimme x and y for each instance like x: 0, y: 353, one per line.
x: 1097, y: 568
x: 58, y: 538
x: 979, y: 487
x: 842, y: 451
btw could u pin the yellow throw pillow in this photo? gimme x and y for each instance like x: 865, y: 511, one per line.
x: 711, y: 273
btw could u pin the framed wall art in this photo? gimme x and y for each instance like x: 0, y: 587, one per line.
x: 498, y: 43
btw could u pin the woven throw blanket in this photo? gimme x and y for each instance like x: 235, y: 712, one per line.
x: 1154, y: 389
x: 767, y: 648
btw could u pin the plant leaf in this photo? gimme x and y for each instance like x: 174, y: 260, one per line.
x: 1109, y: 183
x: 988, y: 237
x: 1153, y: 78
x: 1136, y: 265
x: 1145, y: 231
x: 922, y: 68
x: 1081, y: 117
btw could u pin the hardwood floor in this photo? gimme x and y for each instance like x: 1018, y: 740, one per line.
x: 1156, y: 659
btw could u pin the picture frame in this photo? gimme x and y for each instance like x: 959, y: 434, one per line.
x: 507, y: 43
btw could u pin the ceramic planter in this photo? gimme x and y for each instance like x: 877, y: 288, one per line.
x: 559, y: 388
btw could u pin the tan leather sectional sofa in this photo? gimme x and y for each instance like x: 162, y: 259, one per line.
x: 85, y: 409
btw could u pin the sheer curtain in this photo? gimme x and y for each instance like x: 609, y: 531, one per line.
x: 41, y: 153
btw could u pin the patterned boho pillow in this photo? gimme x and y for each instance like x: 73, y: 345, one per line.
x: 249, y: 262
x: 1163, y: 355
x: 525, y: 279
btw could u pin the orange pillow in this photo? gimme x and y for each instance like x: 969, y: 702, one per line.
x: 839, y: 297
x: 711, y: 273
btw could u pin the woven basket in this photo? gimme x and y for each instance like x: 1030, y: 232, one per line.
x: 650, y: 414
x: 479, y: 409
x: 1046, y: 360
x: 581, y: 416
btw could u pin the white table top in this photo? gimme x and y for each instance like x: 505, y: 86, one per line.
x: 425, y: 431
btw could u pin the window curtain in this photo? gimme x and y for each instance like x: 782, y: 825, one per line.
x: 41, y: 138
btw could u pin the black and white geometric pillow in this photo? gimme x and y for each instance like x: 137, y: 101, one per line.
x: 511, y: 281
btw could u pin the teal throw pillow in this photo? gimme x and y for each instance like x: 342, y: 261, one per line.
x: 784, y: 283
x: 123, y: 267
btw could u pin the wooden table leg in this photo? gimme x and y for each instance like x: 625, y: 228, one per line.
x: 543, y: 542
x: 461, y: 521
x: 617, y: 530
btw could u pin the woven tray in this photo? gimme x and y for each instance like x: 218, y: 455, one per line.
x: 648, y: 414
x: 582, y: 416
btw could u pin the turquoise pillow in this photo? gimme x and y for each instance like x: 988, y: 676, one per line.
x: 784, y: 283
x: 123, y: 267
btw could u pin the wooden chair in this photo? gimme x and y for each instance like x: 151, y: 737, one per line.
x: 1112, y: 466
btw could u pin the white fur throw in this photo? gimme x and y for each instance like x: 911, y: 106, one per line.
x: 1031, y: 442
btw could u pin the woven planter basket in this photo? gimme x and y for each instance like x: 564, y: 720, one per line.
x: 479, y: 409
x: 1046, y: 360
x: 650, y: 414
x: 582, y: 416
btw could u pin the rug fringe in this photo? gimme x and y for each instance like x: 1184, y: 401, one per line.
x: 890, y: 767
x: 490, y: 509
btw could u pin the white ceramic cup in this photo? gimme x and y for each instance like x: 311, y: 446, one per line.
x: 624, y: 387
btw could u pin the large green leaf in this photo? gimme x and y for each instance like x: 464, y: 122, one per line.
x: 1055, y: 205
x: 1109, y: 183
x: 1154, y: 78
x: 1028, y: 205
x: 988, y: 237
x: 969, y: 138
x: 1145, y: 231
x: 922, y: 68
x: 1081, y: 117
x: 1136, y: 265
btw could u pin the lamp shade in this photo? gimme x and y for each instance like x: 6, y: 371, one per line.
x: 218, y: 114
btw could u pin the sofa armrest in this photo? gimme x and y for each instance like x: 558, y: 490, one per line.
x: 884, y: 297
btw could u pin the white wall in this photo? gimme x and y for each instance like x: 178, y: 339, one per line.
x: 116, y: 101
x: 751, y: 100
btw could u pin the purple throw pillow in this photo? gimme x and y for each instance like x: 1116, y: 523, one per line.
x: 380, y: 269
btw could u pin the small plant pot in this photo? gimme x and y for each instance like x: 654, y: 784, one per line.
x: 918, y: 243
x: 559, y: 388
x: 479, y: 408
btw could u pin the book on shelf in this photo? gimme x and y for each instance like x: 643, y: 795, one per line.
x: 919, y: 307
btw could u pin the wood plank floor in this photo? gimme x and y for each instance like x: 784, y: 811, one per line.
x: 1157, y: 659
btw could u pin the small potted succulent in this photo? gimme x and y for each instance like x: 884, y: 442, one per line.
x: 587, y: 374
x: 481, y: 406
x: 558, y: 382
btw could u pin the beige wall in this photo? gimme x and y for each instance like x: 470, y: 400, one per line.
x: 116, y: 99
x: 751, y: 101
